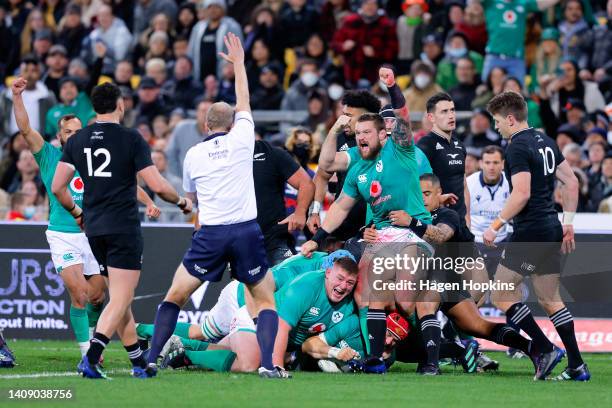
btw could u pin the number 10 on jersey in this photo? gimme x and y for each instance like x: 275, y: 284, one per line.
x: 548, y: 156
x: 99, y: 172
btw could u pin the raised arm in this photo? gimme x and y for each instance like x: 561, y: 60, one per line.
x: 402, y: 132
x: 329, y: 159
x: 235, y: 55
x: 34, y: 139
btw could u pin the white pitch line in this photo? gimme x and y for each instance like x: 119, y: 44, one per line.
x: 56, y: 374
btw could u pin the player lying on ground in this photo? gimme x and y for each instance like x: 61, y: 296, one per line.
x: 216, y: 324
x: 309, y: 305
x: 70, y: 251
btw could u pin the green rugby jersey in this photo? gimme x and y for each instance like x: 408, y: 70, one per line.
x: 506, y: 25
x: 304, y: 305
x: 422, y: 163
x: 389, y: 182
x: 288, y: 270
x: 347, y: 333
x: 59, y: 219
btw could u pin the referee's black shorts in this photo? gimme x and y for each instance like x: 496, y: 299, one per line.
x: 535, y: 250
x: 123, y: 251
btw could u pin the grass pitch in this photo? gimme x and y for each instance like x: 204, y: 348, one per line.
x: 52, y: 365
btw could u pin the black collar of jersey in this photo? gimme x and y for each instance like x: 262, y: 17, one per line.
x: 448, y: 141
x: 519, y: 132
x: 498, y: 184
x: 214, y: 135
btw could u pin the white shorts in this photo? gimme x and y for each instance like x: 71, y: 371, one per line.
x: 242, y: 321
x: 68, y: 249
x: 394, y: 234
x: 220, y: 316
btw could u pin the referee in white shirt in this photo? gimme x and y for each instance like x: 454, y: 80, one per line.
x: 218, y: 172
x: 489, y: 190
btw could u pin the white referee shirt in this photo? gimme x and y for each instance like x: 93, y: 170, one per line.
x: 486, y: 202
x: 220, y: 171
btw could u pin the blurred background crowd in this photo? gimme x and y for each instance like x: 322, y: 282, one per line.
x: 301, y: 56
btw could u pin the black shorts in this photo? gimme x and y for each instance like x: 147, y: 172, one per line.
x: 534, y: 251
x: 278, y: 254
x: 123, y: 251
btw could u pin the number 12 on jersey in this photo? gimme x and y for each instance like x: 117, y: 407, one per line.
x: 99, y: 172
x: 548, y: 156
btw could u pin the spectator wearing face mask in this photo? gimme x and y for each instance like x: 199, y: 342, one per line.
x: 422, y: 86
x: 296, y: 97
x: 455, y: 49
x: 411, y: 28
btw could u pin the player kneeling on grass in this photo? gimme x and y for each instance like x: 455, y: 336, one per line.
x: 309, y: 305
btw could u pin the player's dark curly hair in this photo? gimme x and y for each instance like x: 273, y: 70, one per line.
x: 361, y: 99
x: 104, y: 98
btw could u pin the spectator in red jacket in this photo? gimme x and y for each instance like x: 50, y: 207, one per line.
x: 366, y: 40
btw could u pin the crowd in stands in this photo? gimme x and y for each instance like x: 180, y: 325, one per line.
x: 301, y: 56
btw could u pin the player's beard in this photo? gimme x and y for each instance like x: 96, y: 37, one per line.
x: 373, y: 151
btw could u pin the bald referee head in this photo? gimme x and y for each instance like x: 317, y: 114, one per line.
x: 220, y: 117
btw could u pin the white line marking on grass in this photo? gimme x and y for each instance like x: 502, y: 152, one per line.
x: 57, y: 374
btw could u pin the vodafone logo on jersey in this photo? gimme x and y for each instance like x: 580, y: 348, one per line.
x: 509, y: 17
x: 77, y: 185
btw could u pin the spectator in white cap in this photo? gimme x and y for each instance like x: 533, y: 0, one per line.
x: 206, y: 39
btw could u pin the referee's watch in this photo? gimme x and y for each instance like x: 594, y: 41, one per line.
x: 181, y: 203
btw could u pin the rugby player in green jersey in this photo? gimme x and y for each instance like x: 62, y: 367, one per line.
x: 216, y: 324
x: 387, y: 179
x: 70, y: 251
x: 307, y: 306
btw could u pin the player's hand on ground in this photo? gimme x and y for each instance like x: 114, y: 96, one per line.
x: 386, y: 76
x: 18, y: 85
x: 488, y: 237
x: 235, y: 52
x: 294, y: 222
x: 153, y: 212
x: 370, y: 234
x: 400, y: 218
x: 448, y: 199
x: 314, y: 222
x: 347, y: 354
x: 569, y: 244
x: 308, y: 248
